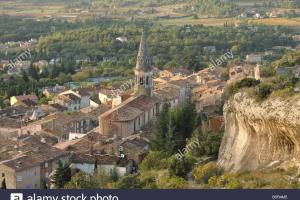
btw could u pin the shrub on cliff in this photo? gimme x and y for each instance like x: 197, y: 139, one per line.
x: 225, y: 181
x: 247, y: 82
x: 204, y: 172
x: 264, y: 90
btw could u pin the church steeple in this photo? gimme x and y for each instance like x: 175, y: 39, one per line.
x: 143, y: 69
x: 143, y: 58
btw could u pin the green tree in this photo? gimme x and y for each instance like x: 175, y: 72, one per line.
x: 129, y: 182
x: 179, y: 168
x: 62, y: 175
x: 81, y: 181
x: 264, y: 90
x: 172, y: 183
x: 44, y: 184
x: 114, y: 175
x: 33, y: 72
x: 154, y: 160
x: 3, y: 184
x: 161, y: 129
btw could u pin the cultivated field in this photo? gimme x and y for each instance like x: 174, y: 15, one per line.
x: 30, y: 9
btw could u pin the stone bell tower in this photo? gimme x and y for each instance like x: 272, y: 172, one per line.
x: 143, y: 70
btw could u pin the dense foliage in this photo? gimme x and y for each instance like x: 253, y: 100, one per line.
x: 173, y: 127
x: 61, y: 176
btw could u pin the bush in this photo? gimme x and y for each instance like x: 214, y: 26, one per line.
x: 247, y: 82
x: 81, y: 181
x: 264, y: 90
x: 181, y: 167
x: 154, y: 160
x: 208, y: 144
x: 148, y: 179
x: 203, y: 173
x: 129, y: 182
x: 266, y: 72
x: 225, y: 181
x: 172, y: 183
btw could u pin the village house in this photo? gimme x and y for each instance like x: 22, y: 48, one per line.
x: 74, y: 100
x: 18, y: 66
x: 95, y: 151
x: 122, y: 39
x: 82, y: 59
x: 134, y: 148
x: 171, y: 72
x: 30, y: 164
x: 106, y: 96
x: 296, y: 38
x: 62, y: 126
x: 52, y: 108
x: 238, y: 73
x: 15, y: 112
x: 253, y: 58
x: 91, y: 164
x: 27, y: 100
x: 168, y: 94
x: 209, y: 49
x: 4, y: 64
x: 41, y: 65
x: 9, y: 127
x: 184, y: 87
x: 50, y: 92
x: 285, y: 71
x: 55, y: 61
x: 207, y: 74
x: 71, y: 101
x: 207, y: 99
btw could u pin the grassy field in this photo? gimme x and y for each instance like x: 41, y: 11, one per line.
x: 192, y: 21
x: 220, y: 22
x: 29, y: 9
x: 278, y: 21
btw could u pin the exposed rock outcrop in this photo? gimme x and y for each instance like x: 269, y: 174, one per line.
x: 260, y: 135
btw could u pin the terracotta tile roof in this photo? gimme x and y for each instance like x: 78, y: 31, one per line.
x: 167, y: 92
x: 10, y: 123
x: 32, y: 97
x: 32, y: 152
x: 130, y: 108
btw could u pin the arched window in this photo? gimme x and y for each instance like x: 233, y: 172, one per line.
x: 141, y: 81
x: 147, y: 80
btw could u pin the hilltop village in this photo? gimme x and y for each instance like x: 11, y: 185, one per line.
x: 97, y: 127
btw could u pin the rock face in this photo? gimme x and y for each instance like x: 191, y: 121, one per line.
x: 259, y: 135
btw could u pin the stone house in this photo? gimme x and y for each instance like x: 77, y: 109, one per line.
x: 30, y: 164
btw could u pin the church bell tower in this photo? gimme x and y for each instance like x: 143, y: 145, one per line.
x: 143, y: 70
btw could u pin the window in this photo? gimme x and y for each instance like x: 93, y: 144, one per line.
x: 46, y: 165
x: 134, y: 126
x: 46, y: 175
x: 147, y: 80
x: 141, y: 81
x: 19, y: 178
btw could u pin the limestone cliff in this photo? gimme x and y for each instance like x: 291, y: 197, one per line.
x: 259, y: 135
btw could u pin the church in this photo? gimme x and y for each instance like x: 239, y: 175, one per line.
x: 138, y: 110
